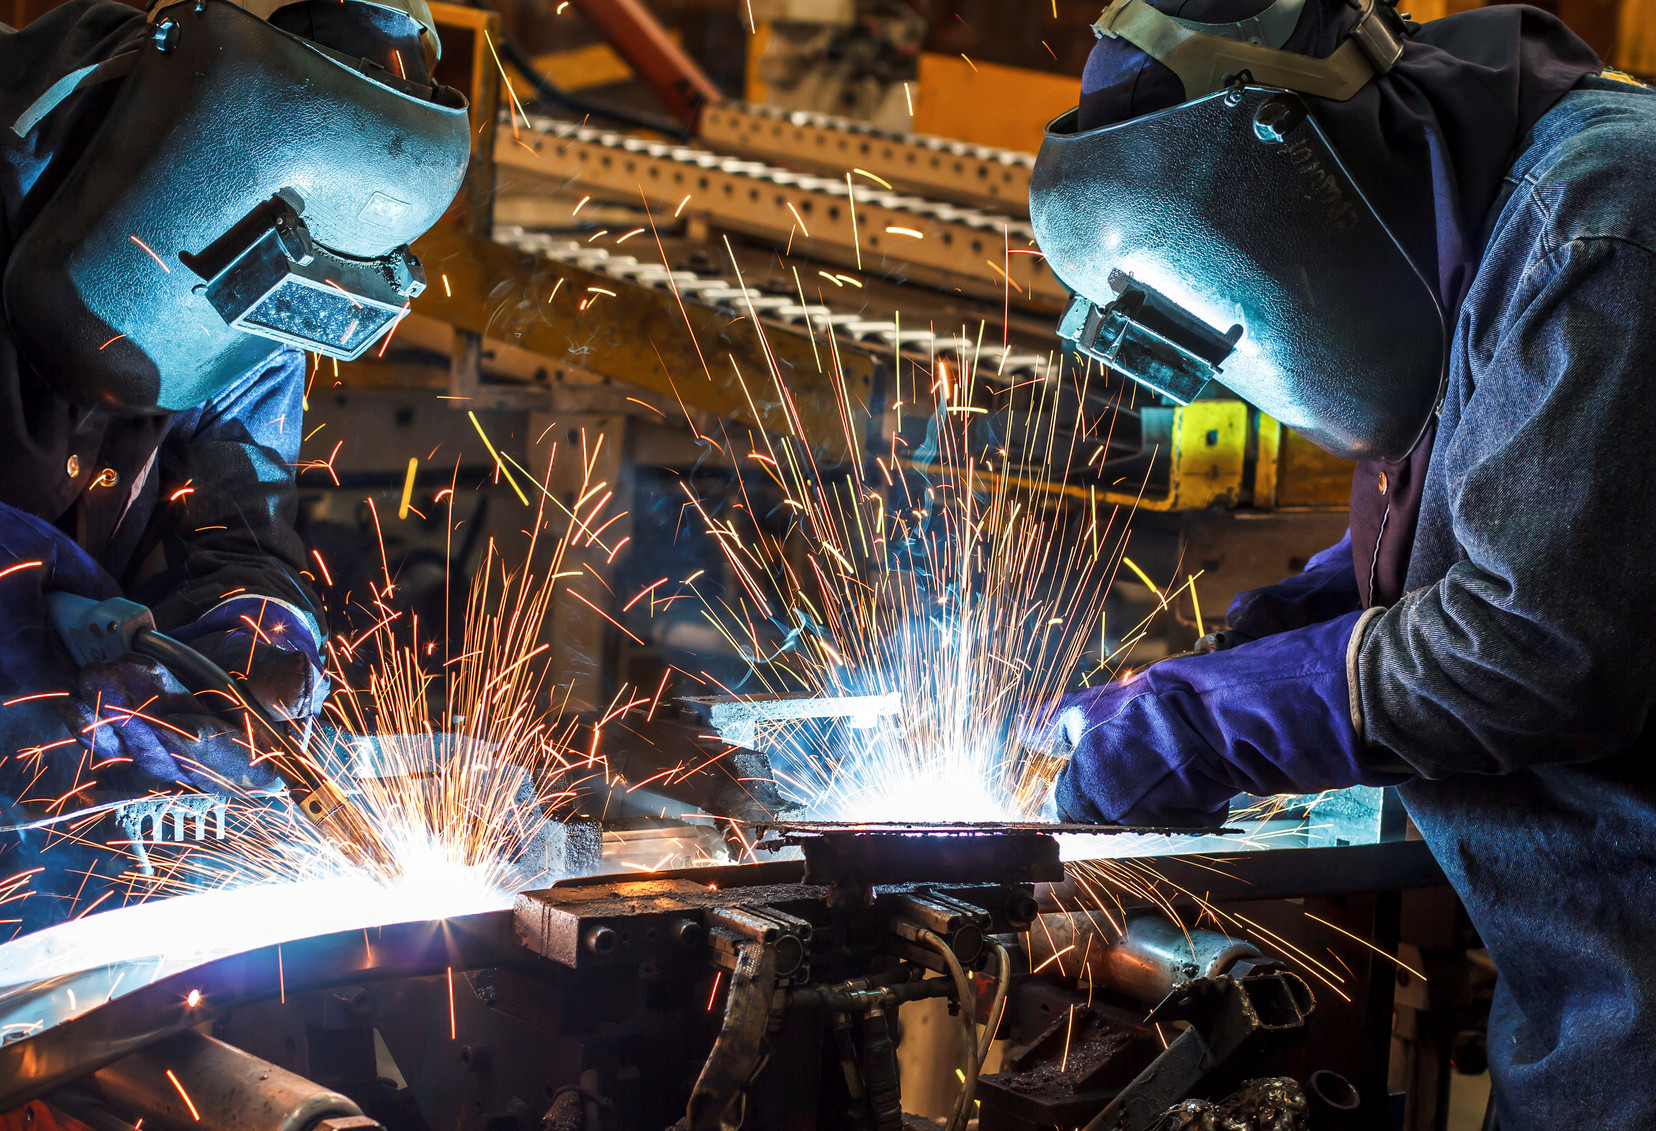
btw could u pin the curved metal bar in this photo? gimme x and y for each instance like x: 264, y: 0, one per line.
x: 36, y: 1065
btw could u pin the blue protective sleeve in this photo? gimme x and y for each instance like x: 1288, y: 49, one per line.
x: 1325, y: 589
x: 1532, y: 643
x: 229, y: 500
x: 1175, y: 742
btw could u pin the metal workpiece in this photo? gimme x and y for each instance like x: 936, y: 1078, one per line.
x: 67, y: 1049
x: 1156, y: 957
x: 738, y: 719
x: 191, y: 1080
x: 951, y: 245
x: 937, y: 166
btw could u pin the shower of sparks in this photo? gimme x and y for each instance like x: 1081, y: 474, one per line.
x: 937, y: 568
x: 457, y: 763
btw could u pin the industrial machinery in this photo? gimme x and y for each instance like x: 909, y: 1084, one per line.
x: 774, y: 995
x: 598, y: 279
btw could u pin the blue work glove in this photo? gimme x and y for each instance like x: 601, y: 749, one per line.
x: 270, y: 645
x: 1174, y: 743
x: 41, y: 757
x: 1325, y: 589
x: 51, y: 716
x: 134, y: 712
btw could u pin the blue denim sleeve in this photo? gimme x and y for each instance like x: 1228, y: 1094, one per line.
x: 228, y: 500
x: 1532, y: 642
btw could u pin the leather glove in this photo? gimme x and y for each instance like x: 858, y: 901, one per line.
x: 1174, y: 743
x: 1325, y: 589
x: 134, y: 711
x: 270, y: 645
x: 53, y: 716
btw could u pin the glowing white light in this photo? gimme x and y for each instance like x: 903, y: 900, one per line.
x: 112, y: 953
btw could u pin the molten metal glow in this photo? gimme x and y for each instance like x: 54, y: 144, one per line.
x: 63, y: 971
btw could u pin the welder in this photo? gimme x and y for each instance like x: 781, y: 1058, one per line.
x: 192, y: 197
x: 1432, y: 250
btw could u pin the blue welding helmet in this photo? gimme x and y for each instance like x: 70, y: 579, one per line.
x: 249, y: 185
x: 1223, y: 238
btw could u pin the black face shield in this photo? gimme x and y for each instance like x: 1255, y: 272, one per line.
x: 1224, y: 239
x: 247, y: 187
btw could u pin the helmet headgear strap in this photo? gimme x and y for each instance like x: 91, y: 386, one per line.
x: 1206, y: 61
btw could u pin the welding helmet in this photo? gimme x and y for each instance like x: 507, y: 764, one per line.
x: 250, y: 185
x: 1224, y: 239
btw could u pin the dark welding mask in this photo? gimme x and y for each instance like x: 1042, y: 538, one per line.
x: 248, y: 186
x: 1223, y: 239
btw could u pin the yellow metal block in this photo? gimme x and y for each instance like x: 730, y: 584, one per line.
x: 1268, y: 451
x: 1210, y: 443
x: 582, y: 68
x: 1307, y: 476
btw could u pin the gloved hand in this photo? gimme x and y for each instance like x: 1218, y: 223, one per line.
x: 134, y: 711
x: 1325, y: 589
x: 269, y: 645
x: 40, y: 757
x: 1174, y: 743
x: 52, y: 715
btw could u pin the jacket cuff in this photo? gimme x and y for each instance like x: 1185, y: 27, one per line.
x: 1354, y: 648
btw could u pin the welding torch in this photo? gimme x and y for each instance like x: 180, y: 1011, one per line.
x: 104, y: 631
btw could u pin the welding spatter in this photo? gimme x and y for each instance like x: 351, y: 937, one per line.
x: 104, y: 631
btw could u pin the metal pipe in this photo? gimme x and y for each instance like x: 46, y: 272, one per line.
x: 1156, y: 956
x: 191, y: 1082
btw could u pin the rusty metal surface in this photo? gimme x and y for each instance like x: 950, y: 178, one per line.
x: 937, y: 166
x: 957, y: 245
x: 646, y: 337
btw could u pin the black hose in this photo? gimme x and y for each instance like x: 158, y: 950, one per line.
x: 202, y: 676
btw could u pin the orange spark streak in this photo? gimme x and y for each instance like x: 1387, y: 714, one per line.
x: 185, y: 1096
x: 152, y: 254
x: 452, y: 1030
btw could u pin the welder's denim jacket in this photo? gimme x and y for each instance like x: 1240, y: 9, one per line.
x: 1518, y: 671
